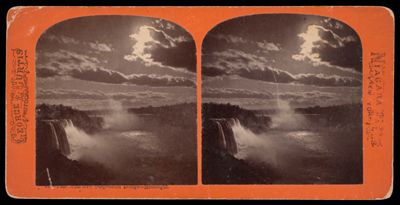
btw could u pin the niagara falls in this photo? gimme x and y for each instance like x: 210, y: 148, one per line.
x: 129, y: 149
x: 297, y: 146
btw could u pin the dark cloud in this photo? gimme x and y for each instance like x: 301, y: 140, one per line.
x: 66, y: 63
x: 349, y: 56
x: 114, y: 77
x: 99, y: 75
x: 233, y: 60
x: 234, y: 93
x: 43, y: 72
x: 250, y: 66
x: 181, y: 56
x: 212, y: 71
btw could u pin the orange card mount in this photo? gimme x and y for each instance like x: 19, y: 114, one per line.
x: 200, y: 102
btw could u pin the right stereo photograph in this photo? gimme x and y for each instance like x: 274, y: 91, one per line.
x: 282, y: 101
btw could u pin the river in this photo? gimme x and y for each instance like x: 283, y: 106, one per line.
x: 304, y: 156
x: 141, y: 153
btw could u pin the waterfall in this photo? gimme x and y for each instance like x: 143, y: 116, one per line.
x: 221, y: 136
x: 61, y: 135
x: 230, y: 138
x: 225, y: 136
x: 57, y: 137
x: 54, y: 136
x: 235, y: 139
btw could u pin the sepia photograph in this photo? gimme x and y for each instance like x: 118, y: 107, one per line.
x: 199, y: 102
x: 282, y: 101
x: 116, y: 103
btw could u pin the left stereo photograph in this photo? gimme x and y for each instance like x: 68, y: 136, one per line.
x: 116, y: 103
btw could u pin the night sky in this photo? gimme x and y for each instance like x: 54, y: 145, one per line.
x: 249, y: 61
x: 138, y: 61
x: 302, y: 59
